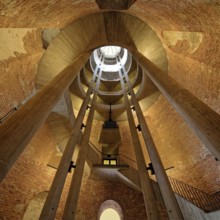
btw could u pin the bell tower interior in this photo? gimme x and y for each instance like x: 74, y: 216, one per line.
x: 110, y: 109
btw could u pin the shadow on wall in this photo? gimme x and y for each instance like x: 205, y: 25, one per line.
x: 191, y: 212
x: 35, y: 207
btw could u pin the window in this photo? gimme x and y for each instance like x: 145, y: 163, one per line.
x: 110, y: 214
x: 113, y: 162
x: 106, y: 162
x: 110, y: 210
x: 110, y: 59
x: 109, y: 162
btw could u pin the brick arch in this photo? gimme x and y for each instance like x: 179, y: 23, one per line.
x: 110, y: 204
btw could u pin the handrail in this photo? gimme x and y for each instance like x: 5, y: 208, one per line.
x: 205, y: 201
x: 8, y: 114
x: 111, y: 154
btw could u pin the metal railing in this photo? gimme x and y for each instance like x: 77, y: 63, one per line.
x: 7, y: 115
x: 205, y: 201
x: 116, y: 155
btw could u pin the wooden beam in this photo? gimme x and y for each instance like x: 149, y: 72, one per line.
x: 53, y: 198
x: 73, y: 195
x: 17, y: 131
x: 201, y: 118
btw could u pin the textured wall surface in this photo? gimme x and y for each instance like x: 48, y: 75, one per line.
x: 94, y: 193
x: 191, y: 212
x: 179, y: 147
x: 28, y: 177
x: 21, y: 50
x: 189, y: 32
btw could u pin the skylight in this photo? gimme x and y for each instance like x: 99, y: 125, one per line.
x: 110, y: 51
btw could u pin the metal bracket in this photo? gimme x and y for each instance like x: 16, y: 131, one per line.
x: 83, y: 126
x: 138, y: 128
x: 168, y: 168
x: 133, y: 108
x: 8, y: 114
x: 72, y: 165
x: 150, y: 167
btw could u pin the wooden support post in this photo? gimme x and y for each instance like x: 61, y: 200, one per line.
x: 72, y: 199
x: 53, y: 198
x: 68, y: 100
x: 169, y: 198
x: 17, y: 131
x: 147, y: 188
x: 201, y: 118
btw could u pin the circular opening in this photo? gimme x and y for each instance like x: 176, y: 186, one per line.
x: 110, y: 214
x: 100, y: 61
x: 110, y: 51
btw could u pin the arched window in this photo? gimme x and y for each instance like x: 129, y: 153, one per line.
x: 110, y: 210
x: 109, y: 214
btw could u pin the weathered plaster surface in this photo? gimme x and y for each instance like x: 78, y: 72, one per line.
x: 188, y: 41
x: 12, y: 43
x: 20, y: 52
